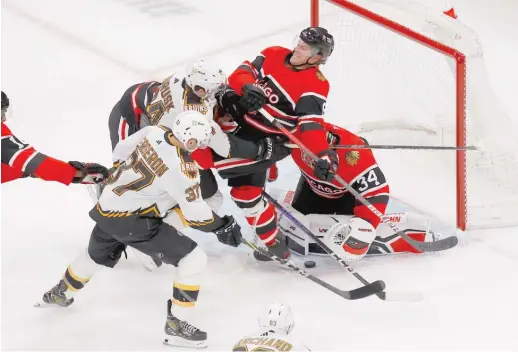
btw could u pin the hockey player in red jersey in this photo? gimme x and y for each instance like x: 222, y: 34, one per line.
x: 358, y: 233
x: 288, y: 84
x: 357, y: 167
x: 20, y: 159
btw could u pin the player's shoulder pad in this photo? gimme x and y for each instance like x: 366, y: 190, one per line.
x: 167, y: 135
x: 317, y: 82
x: 6, y: 131
x: 186, y: 164
x: 320, y: 76
x: 275, y: 50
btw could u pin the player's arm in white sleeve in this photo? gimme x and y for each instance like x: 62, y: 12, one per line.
x: 182, y: 182
x: 196, y: 212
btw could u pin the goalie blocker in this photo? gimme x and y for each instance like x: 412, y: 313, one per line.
x: 350, y: 233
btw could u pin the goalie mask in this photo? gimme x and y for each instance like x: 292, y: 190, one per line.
x: 205, y: 79
x: 193, y: 129
x: 279, y: 319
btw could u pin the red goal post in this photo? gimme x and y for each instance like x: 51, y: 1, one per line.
x: 387, y: 22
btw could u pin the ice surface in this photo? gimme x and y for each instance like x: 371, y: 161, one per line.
x: 64, y: 65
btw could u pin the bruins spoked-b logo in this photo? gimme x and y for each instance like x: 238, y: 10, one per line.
x: 189, y: 169
x: 352, y: 157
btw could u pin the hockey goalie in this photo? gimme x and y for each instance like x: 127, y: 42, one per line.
x: 345, y: 225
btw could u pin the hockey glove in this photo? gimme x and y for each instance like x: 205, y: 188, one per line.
x: 253, y: 98
x: 228, y: 99
x: 326, y: 166
x: 91, y: 172
x: 272, y: 148
x: 227, y: 124
x: 230, y: 232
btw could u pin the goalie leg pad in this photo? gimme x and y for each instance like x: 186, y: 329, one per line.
x: 413, y: 224
x: 350, y: 240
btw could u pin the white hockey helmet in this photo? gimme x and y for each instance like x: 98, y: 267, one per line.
x: 193, y: 129
x: 201, y: 74
x: 279, y: 318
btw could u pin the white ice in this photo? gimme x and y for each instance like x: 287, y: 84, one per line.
x: 66, y: 63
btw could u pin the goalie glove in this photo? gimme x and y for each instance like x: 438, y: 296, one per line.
x: 90, y: 172
x: 350, y: 240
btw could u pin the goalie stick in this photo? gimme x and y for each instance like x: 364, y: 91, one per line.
x: 410, y: 147
x: 369, y: 289
x: 385, y: 296
x: 435, y: 246
x: 387, y: 146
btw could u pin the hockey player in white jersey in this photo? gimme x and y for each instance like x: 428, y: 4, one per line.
x: 276, y: 324
x: 156, y: 184
x: 159, y: 103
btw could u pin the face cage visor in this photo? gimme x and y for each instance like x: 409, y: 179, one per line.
x: 304, y: 48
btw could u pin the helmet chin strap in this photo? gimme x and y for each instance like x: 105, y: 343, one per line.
x: 304, y: 64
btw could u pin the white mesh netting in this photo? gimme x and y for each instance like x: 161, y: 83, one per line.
x: 395, y: 90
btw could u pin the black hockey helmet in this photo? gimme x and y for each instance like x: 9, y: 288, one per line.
x: 5, y: 103
x: 320, y: 38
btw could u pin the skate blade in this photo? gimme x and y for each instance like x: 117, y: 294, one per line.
x: 173, y: 341
x: 42, y: 304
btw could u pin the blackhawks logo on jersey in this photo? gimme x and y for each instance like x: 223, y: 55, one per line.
x: 321, y: 76
x: 352, y: 157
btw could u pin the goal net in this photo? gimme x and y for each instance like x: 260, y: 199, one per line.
x: 402, y: 73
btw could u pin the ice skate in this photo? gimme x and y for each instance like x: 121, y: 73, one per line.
x: 279, y: 249
x: 55, y: 297
x: 181, y: 333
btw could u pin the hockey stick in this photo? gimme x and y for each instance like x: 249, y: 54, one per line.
x: 435, y: 246
x: 383, y: 146
x: 411, y: 147
x: 386, y: 296
x: 358, y: 293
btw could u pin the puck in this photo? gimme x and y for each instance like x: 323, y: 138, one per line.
x: 310, y: 264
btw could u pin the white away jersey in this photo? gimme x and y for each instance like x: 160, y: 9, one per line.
x: 268, y: 341
x: 174, y: 97
x: 153, y: 177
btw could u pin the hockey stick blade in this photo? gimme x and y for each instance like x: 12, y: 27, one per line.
x: 358, y: 293
x: 386, y: 296
x: 432, y: 246
x: 404, y: 147
x: 393, y: 296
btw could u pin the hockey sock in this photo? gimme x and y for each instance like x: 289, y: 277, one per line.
x: 259, y: 213
x: 186, y: 287
x: 79, y: 272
